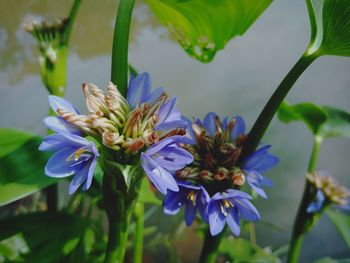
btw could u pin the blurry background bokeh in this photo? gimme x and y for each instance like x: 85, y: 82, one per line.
x: 239, y: 81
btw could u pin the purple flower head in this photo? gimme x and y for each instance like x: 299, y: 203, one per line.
x: 328, y: 192
x: 73, y: 155
x: 253, y: 167
x: 161, y: 160
x: 57, y: 123
x: 194, y: 198
x: 228, y: 207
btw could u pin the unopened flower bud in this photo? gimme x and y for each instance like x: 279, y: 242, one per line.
x: 111, y: 139
x: 221, y: 174
x: 238, y: 178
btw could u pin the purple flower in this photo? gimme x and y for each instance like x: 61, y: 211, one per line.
x: 194, y: 198
x: 317, y: 205
x: 73, y: 155
x: 169, y: 116
x: 227, y: 207
x: 253, y: 167
x: 139, y: 91
x: 162, y: 159
x: 58, y: 124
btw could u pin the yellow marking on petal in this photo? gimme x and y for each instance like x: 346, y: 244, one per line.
x: 76, y: 155
x: 192, y: 196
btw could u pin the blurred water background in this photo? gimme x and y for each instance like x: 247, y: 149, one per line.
x: 238, y: 81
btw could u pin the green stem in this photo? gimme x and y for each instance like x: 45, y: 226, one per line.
x: 118, y: 218
x: 303, y: 220
x: 138, y: 245
x: 210, y: 247
x: 119, y: 74
x: 261, y: 124
x: 119, y: 201
x: 71, y: 18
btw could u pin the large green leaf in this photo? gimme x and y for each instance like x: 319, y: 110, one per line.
x: 21, y: 166
x: 237, y: 250
x: 11, y: 139
x: 203, y: 27
x: 323, y: 121
x: 48, y: 236
x: 330, y: 27
x: 342, y: 223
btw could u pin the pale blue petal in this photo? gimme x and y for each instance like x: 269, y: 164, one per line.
x: 162, y: 179
x: 60, y: 125
x: 238, y: 128
x: 58, y: 166
x: 260, y: 160
x: 209, y: 123
x: 246, y: 209
x: 139, y: 90
x: 232, y: 221
x: 216, y: 219
x: 60, y: 103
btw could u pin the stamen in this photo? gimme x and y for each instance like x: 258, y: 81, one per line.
x: 192, y: 196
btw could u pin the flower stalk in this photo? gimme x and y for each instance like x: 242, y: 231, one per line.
x: 119, y: 73
x: 138, y: 237
x: 119, y: 201
x: 303, y: 219
x: 210, y: 247
x: 262, y: 123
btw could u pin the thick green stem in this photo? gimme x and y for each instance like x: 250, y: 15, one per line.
x: 261, y: 124
x: 210, y: 247
x: 303, y: 219
x: 119, y: 74
x: 119, y: 201
x: 118, y: 217
x: 138, y: 240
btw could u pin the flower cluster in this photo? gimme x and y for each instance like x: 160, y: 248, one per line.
x: 328, y: 192
x: 49, y: 36
x: 210, y: 184
x: 145, y: 125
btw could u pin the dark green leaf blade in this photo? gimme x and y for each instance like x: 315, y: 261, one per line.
x: 342, y: 223
x: 203, y: 27
x: 11, y: 139
x: 312, y: 115
x: 48, y: 236
x: 22, y: 170
x: 330, y: 26
x: 337, y: 124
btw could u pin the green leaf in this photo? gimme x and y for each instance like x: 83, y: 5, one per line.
x: 11, y: 139
x: 48, y: 236
x: 147, y: 194
x: 323, y: 121
x: 313, y: 116
x: 330, y: 27
x: 203, y: 27
x: 240, y: 250
x: 337, y: 124
x: 342, y: 223
x: 21, y: 170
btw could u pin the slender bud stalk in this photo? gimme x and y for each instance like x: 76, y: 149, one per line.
x: 303, y: 219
